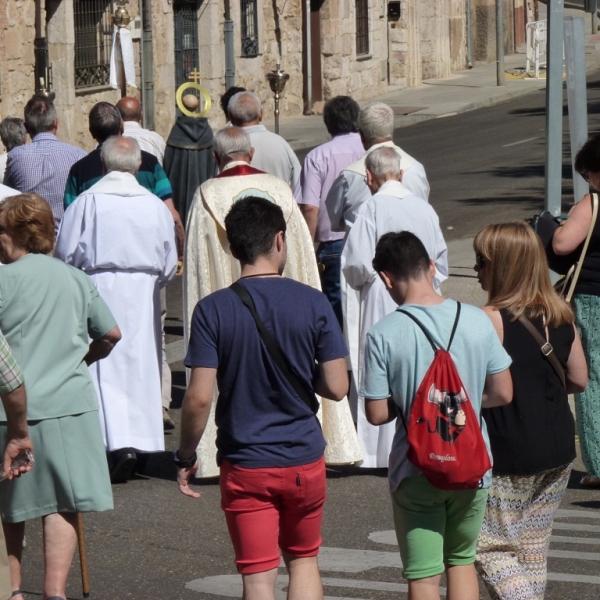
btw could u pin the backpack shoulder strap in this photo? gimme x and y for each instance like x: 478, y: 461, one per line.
x: 421, y: 327
x: 427, y: 334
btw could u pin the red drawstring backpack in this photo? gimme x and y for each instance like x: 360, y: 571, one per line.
x: 444, y: 435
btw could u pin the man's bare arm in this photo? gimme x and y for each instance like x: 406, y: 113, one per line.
x: 310, y: 214
x: 179, y: 228
x: 498, y: 390
x: 332, y: 379
x: 379, y: 412
x: 194, y: 416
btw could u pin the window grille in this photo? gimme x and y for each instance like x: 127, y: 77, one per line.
x: 362, y: 27
x: 186, y: 39
x: 93, y: 42
x: 249, y: 28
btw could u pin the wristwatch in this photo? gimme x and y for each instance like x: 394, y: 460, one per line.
x: 184, y: 464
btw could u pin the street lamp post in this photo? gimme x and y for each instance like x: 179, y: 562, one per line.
x: 277, y: 80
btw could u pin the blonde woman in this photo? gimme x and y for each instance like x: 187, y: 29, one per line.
x: 533, y: 438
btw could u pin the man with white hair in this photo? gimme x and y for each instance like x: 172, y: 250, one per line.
x: 391, y: 208
x: 272, y: 154
x: 124, y: 238
x: 349, y: 191
x: 210, y: 266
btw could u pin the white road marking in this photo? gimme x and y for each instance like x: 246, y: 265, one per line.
x: 521, y: 142
x: 576, y: 527
x: 345, y: 560
x: 563, y: 513
x: 563, y: 539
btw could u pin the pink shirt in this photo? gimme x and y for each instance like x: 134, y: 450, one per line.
x: 322, y: 166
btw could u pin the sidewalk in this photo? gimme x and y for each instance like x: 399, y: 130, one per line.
x: 438, y: 98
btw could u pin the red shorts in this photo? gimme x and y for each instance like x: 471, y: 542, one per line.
x: 268, y: 509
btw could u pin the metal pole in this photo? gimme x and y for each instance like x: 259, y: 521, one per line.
x: 308, y: 50
x: 499, y: 42
x: 469, y: 37
x: 277, y: 112
x: 576, y: 95
x: 143, y: 64
x: 554, y: 107
x: 229, y: 54
x: 148, y: 83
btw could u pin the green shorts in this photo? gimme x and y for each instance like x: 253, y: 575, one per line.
x: 436, y: 528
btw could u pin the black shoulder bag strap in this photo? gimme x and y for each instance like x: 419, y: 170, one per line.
x: 307, y: 397
x: 545, y: 347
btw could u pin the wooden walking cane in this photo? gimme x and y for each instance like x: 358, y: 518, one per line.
x: 85, y: 582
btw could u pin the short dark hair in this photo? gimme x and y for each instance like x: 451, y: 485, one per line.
x: 12, y: 132
x: 401, y: 254
x: 228, y: 95
x: 252, y: 224
x: 340, y: 115
x: 587, y: 159
x: 105, y: 121
x: 40, y: 114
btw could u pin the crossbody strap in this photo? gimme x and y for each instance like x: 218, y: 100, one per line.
x: 307, y: 397
x: 545, y: 347
x: 584, y: 250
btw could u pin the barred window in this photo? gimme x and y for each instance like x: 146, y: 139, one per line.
x: 186, y: 39
x: 362, y: 27
x: 93, y: 42
x: 249, y: 28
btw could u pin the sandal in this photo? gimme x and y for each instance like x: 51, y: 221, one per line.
x: 16, y: 593
x: 590, y: 481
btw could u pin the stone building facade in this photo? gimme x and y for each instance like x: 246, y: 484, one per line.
x: 357, y: 47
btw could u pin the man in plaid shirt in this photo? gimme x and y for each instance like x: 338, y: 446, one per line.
x: 43, y: 166
x: 16, y: 433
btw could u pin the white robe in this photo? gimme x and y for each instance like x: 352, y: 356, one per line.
x: 123, y: 237
x: 392, y: 208
x: 349, y: 191
x: 209, y: 266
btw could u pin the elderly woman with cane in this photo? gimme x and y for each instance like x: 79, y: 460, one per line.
x: 48, y: 313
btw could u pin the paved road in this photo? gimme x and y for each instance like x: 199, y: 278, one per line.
x: 483, y: 166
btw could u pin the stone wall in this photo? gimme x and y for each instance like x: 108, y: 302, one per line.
x: 484, y: 29
x: 17, y: 31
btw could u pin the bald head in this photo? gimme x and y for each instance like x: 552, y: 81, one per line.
x: 231, y: 144
x: 121, y: 154
x: 190, y: 102
x: 245, y: 109
x: 130, y: 109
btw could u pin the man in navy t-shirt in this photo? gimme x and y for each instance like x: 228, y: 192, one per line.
x: 269, y: 443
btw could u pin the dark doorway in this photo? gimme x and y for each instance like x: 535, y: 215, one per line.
x: 315, y: 55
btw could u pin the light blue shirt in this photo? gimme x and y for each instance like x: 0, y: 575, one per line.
x: 398, y: 355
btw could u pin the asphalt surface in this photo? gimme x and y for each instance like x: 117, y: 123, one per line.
x: 483, y: 167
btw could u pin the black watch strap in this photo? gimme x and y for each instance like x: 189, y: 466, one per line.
x: 184, y: 464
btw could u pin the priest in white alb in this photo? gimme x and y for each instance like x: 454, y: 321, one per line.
x: 123, y: 237
x: 209, y: 266
x: 391, y: 208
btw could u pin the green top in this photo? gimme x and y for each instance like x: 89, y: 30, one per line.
x: 47, y: 311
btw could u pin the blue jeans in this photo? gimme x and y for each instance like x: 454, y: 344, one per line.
x: 329, y: 257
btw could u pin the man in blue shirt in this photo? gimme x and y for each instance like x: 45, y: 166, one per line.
x: 436, y: 529
x: 269, y: 443
x: 42, y: 167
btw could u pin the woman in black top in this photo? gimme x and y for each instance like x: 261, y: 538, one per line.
x: 569, y: 238
x: 533, y: 438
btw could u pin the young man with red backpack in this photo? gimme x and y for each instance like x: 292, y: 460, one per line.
x: 434, y: 363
